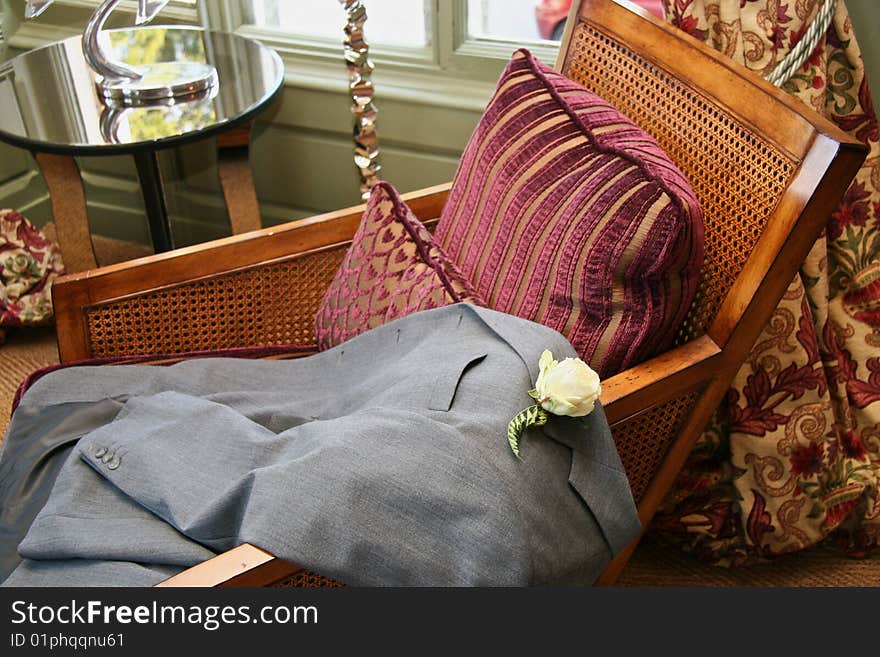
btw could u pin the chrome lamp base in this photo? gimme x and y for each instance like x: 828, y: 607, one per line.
x: 160, y: 83
x: 121, y: 84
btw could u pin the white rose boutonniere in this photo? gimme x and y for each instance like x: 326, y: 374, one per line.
x: 569, y: 387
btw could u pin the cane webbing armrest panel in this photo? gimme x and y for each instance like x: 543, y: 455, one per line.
x: 264, y: 305
x: 643, y: 440
x: 306, y: 579
x: 258, y: 289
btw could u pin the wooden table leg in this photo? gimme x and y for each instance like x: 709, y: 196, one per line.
x: 68, y: 198
x: 237, y: 180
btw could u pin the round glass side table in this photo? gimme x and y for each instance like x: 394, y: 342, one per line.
x: 50, y: 106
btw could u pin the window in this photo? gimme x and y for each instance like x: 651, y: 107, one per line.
x: 512, y: 20
x: 391, y: 22
x: 447, y: 52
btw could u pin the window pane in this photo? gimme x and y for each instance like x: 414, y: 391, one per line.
x: 511, y: 20
x: 528, y: 20
x: 392, y: 22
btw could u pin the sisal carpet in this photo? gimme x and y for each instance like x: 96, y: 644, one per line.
x: 654, y: 564
x: 25, y: 350
x: 108, y: 251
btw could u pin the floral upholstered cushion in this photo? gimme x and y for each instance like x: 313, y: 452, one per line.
x: 565, y: 213
x: 29, y: 263
x: 393, y: 268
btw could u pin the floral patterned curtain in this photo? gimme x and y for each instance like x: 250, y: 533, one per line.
x: 793, y: 456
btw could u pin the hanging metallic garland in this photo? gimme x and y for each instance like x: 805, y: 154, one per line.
x: 360, y: 84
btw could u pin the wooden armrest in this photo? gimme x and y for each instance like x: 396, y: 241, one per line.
x: 246, y: 565
x: 256, y: 289
x: 665, y: 377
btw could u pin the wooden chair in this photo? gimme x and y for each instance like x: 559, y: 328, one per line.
x: 768, y: 172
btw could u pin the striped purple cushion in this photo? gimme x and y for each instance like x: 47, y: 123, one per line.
x: 566, y: 213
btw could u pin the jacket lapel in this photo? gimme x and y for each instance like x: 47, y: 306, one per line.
x: 597, y: 475
x: 527, y: 339
x: 596, y: 471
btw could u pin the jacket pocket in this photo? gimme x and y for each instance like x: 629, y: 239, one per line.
x: 447, y: 379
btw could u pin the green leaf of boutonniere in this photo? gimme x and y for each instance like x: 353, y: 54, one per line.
x: 533, y: 416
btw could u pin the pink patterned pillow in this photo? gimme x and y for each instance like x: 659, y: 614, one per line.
x: 566, y: 213
x: 393, y: 268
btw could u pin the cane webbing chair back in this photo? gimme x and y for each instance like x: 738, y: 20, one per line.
x: 738, y: 175
x: 767, y: 170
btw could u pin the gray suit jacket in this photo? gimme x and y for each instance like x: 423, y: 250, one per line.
x: 383, y: 461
